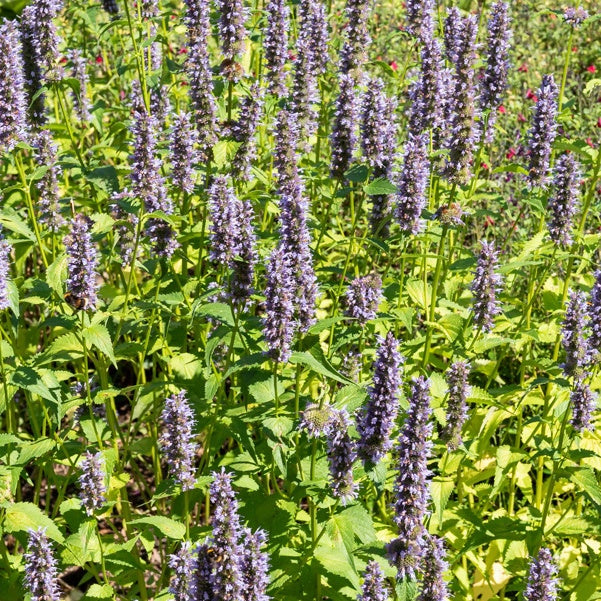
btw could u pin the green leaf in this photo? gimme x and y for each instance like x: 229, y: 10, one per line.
x: 56, y: 274
x: 380, y: 187
x: 586, y: 480
x: 219, y: 311
x: 100, y: 592
x: 22, y: 517
x: 36, y: 382
x: 186, y: 366
x: 170, y: 528
x: 357, y: 174
x: 98, y: 336
x: 319, y: 365
x: 35, y: 449
x: 441, y: 489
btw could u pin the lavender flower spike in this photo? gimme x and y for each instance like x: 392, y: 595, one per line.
x: 13, y: 101
x: 354, y: 48
x: 543, y: 131
x: 82, y: 263
x: 343, y: 138
x: 92, y: 482
x: 573, y: 335
x: 575, y: 16
x: 255, y: 566
x: 80, y: 100
x: 411, y: 486
x: 362, y: 298
x: 412, y: 184
x: 304, y: 91
x: 485, y: 287
x: 542, y: 583
x: 5, y: 250
x: 285, y: 155
x: 227, y: 578
x: 225, y: 221
x: 373, y: 587
x: 373, y: 123
x: 275, y: 45
x: 183, y: 581
x: 47, y: 185
x: 595, y: 315
x: 244, y: 130
x: 453, y: 30
x: 419, y: 15
x: 433, y: 586
x: 341, y: 454
x: 183, y: 152
x: 494, y: 81
x: 177, y: 439
x: 278, y: 323
x: 232, y: 34
x: 583, y: 402
x: 459, y: 391
x: 243, y: 267
x: 41, y: 568
x: 314, y: 29
x: 377, y: 418
x: 203, y: 574
x: 563, y: 203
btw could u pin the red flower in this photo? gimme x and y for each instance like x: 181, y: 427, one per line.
x: 484, y: 166
x: 523, y: 68
x: 393, y: 65
x: 183, y: 51
x: 590, y: 143
x: 521, y: 118
x: 510, y: 153
x: 599, y: 122
x: 99, y: 60
x: 591, y: 69
x: 502, y: 110
x: 531, y: 95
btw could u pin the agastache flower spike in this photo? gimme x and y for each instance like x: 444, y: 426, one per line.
x: 227, y: 578
x: 419, y: 15
x: 203, y: 575
x: 485, y: 287
x: 412, y: 183
x: 304, y: 92
x: 459, y: 391
x: 80, y: 100
x: 244, y: 130
x: 542, y: 581
x: 315, y: 419
x: 255, y: 566
x: 433, y: 585
x: 285, y: 159
x: 376, y: 420
x: 363, y: 297
x: 453, y: 29
x: 13, y: 101
x: 341, y: 452
x: 354, y: 49
x: 575, y: 16
x: 92, y: 482
x: 41, y: 573
x: 411, y: 487
x: 5, y: 250
x: 343, y: 138
x: 573, y: 335
x: 373, y: 587
x: 374, y: 114
x: 595, y: 315
x: 225, y: 221
x: 241, y: 282
x: 460, y: 143
x: 278, y: 323
x: 183, y: 581
x: 563, y: 202
x: 47, y: 185
x: 494, y: 81
x: 583, y: 402
x: 232, y: 34
x: 275, y: 45
x: 183, y: 152
x: 177, y: 439
x: 82, y: 262
x: 314, y: 29
x: 543, y: 131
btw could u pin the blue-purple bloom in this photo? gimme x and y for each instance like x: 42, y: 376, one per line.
x: 13, y: 101
x: 304, y: 91
x: 177, y: 439
x: 583, y: 402
x: 232, y: 35
x: 419, y: 15
x: 80, y: 100
x: 225, y: 209
x: 183, y: 581
x: 278, y: 322
x: 255, y: 566
x: 41, y: 572
x: 82, y: 262
x: 354, y: 49
x: 485, y: 286
x: 411, y: 487
x: 183, y: 152
x: 92, y: 482
x: 314, y: 30
x: 341, y: 452
x: 453, y: 28
x: 343, y: 138
x: 595, y: 315
x: 47, y: 185
x: 243, y: 131
x: 373, y: 587
x: 5, y: 250
x: 376, y: 420
x: 459, y: 391
x: 494, y: 81
x: 412, y: 183
x: 433, y: 585
x: 563, y: 202
x: 542, y: 581
x: 363, y: 296
x: 285, y: 156
x: 375, y: 114
x: 203, y: 581
x: 243, y: 265
x: 573, y: 337
x: 575, y: 16
x: 275, y: 45
x: 543, y: 131
x: 315, y: 420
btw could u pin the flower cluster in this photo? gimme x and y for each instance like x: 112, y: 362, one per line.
x: 459, y: 391
x: 275, y: 45
x: 542, y: 583
x: 363, y: 296
x: 343, y: 137
x: 573, y: 335
x: 41, y: 568
x: 80, y: 100
x: 243, y: 131
x: 373, y: 587
x: 5, y: 250
x: 47, y: 185
x: 92, y: 482
x: 183, y: 152
x: 563, y: 203
x: 433, y: 585
x: 485, y: 287
x: 341, y: 452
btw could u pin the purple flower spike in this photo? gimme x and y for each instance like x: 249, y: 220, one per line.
x: 433, y: 585
x: 485, y: 287
x: 584, y: 403
x: 203, y: 581
x: 453, y: 34
x: 573, y: 337
x: 373, y: 587
x: 543, y: 131
x: 80, y: 100
x: 315, y: 31
x: 341, y: 453
x: 183, y: 152
x: 225, y: 221
x: 411, y: 487
x: 92, y: 483
x: 232, y: 35
x: 41, y: 570
x: 47, y: 185
x: 354, y: 49
x: 82, y: 287
x: 244, y: 130
x: 575, y: 16
x: 275, y: 45
x: 255, y: 566
x: 563, y: 203
x: 344, y: 138
x: 13, y: 100
x: 5, y: 250
x: 595, y: 315
x: 177, y: 439
x: 183, y: 582
x: 362, y: 298
x: 542, y: 581
x: 459, y: 391
x: 419, y: 16
x: 304, y: 92
x: 377, y: 418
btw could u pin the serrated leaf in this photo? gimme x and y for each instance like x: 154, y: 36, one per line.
x: 22, y: 517
x: 56, y: 274
x: 186, y: 366
x: 585, y: 479
x: 170, y: 528
x: 319, y: 365
x: 98, y: 336
x: 380, y: 187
